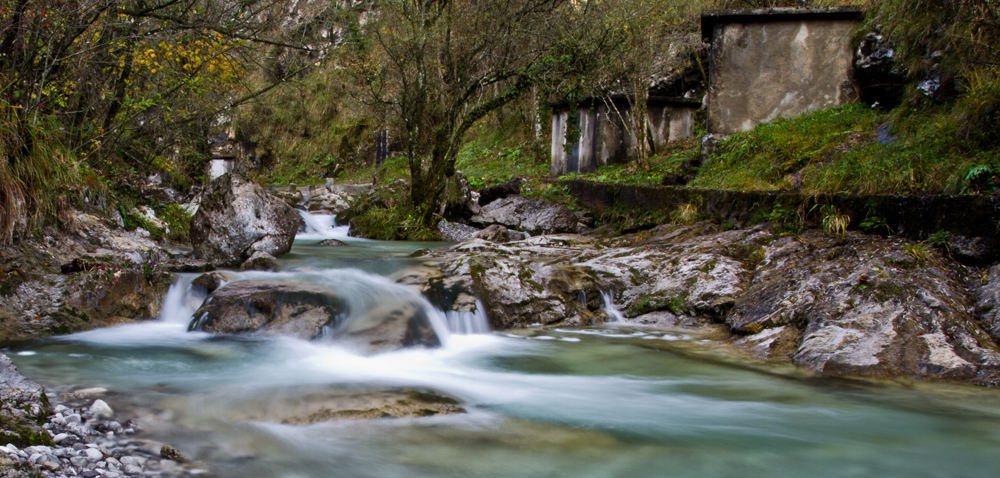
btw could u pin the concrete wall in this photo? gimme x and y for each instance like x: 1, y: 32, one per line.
x: 604, y: 138
x: 767, y: 65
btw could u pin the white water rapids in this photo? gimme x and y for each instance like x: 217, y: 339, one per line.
x: 611, y: 401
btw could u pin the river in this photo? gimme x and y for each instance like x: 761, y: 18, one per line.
x: 610, y: 401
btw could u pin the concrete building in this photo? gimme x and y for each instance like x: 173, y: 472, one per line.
x: 599, y: 133
x: 771, y: 63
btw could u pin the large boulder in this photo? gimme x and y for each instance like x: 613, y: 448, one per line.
x: 309, y: 311
x: 510, y: 188
x: 238, y: 218
x: 111, y: 296
x: 533, y: 216
x: 268, y: 308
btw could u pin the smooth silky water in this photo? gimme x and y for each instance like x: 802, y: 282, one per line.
x: 618, y: 401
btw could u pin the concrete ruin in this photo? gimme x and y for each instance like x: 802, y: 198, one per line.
x: 771, y: 63
x: 599, y: 135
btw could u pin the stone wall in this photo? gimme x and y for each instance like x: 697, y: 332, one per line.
x: 772, y: 63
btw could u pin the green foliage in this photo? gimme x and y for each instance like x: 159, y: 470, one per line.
x: 391, y: 224
x: 38, y: 174
x: 786, y: 219
x: 178, y: 221
x: 837, y: 151
x: 919, y: 251
x: 834, y: 221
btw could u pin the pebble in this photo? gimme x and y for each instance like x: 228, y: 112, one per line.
x: 89, y: 444
x: 100, y: 408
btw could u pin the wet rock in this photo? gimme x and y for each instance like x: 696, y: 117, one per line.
x: 865, y: 307
x: 973, y: 251
x: 100, y: 408
x: 331, y: 243
x: 533, y: 216
x: 456, y: 232
x: 110, y: 297
x: 267, y: 308
x: 23, y: 404
x: 172, y: 453
x: 260, y: 261
x: 315, y: 406
x: 388, y: 327
x: 211, y: 281
x: 494, y: 233
x: 324, y: 201
x: 238, y: 218
x: 511, y: 187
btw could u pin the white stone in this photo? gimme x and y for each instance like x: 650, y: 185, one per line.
x: 100, y: 408
x: 59, y: 438
x: 94, y: 454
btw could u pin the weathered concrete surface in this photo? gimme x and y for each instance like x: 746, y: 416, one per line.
x: 970, y: 222
x: 601, y: 127
x: 773, y: 63
x: 237, y: 218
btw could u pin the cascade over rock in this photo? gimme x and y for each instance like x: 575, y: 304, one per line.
x: 268, y: 308
x: 238, y: 218
x: 307, y: 311
x: 851, y: 305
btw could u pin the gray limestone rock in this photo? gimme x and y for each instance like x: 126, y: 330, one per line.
x: 238, y: 218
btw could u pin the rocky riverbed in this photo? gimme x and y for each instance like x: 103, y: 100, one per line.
x: 83, y: 439
x: 849, y: 305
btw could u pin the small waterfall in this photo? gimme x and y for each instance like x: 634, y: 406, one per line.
x: 321, y: 226
x: 182, y: 300
x: 465, y: 323
x: 614, y: 314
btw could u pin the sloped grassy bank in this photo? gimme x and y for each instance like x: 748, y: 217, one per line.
x: 965, y: 226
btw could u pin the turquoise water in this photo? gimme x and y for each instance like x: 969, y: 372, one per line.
x: 597, y: 402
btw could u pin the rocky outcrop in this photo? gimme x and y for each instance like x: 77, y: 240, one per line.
x: 238, y: 218
x: 23, y: 406
x: 512, y: 187
x: 118, y: 276
x: 111, y: 296
x: 307, y: 311
x: 533, y: 216
x: 864, y: 306
x: 850, y: 305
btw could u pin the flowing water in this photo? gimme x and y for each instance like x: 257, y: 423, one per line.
x: 616, y: 401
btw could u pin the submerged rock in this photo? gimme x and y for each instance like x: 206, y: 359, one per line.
x: 238, y: 218
x: 311, y: 406
x: 388, y: 327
